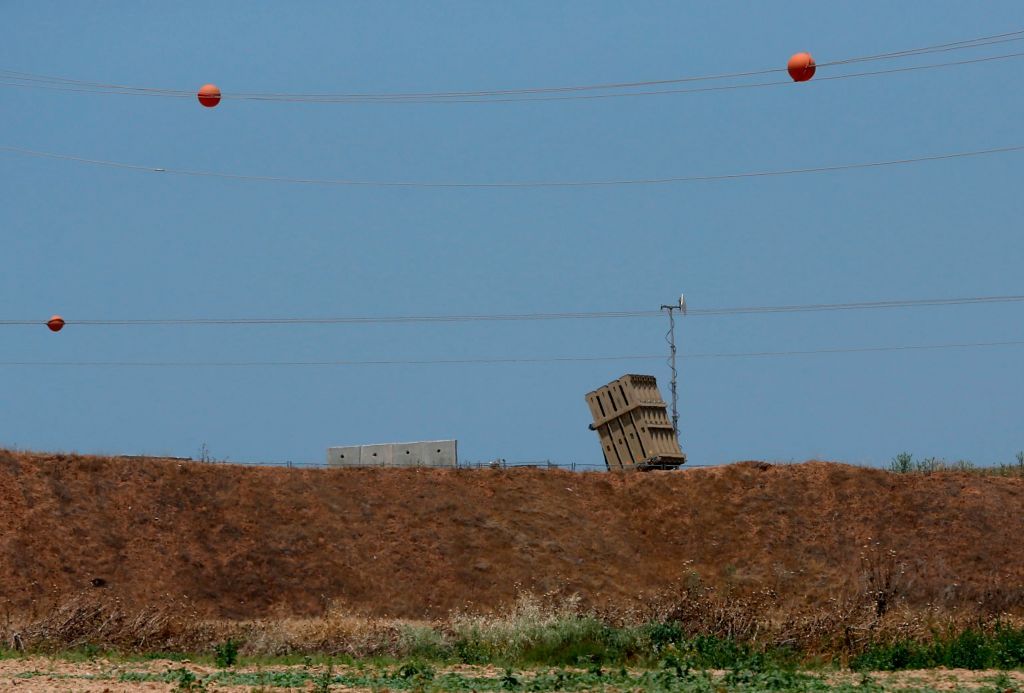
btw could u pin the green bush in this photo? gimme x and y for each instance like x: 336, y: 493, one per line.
x: 415, y: 669
x: 469, y: 648
x: 660, y: 635
x: 903, y: 463
x: 185, y: 680
x: 571, y: 642
x: 587, y: 641
x: 969, y: 649
x: 226, y: 654
x: 1008, y: 647
x: 423, y: 642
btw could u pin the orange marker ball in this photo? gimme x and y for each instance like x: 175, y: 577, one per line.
x: 209, y: 95
x: 56, y: 323
x: 801, y: 67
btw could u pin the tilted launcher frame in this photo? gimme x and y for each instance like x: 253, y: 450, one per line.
x: 631, y: 419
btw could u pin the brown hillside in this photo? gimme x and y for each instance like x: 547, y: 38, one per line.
x: 242, y: 541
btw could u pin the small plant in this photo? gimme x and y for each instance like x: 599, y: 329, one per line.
x: 662, y: 635
x: 418, y: 674
x: 1003, y: 683
x: 226, y: 654
x: 1020, y: 459
x: 322, y: 682
x: 673, y: 664
x: 185, y: 680
x: 509, y: 680
x: 882, y: 575
x: 903, y: 463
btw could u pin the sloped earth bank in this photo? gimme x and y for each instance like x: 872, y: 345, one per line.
x: 242, y: 542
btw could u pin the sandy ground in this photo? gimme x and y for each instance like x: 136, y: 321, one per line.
x: 934, y: 679
x: 38, y: 674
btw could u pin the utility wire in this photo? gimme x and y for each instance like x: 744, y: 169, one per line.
x: 856, y: 350
x: 511, y: 184
x: 497, y: 361
x: 399, y: 319
x: 861, y: 305
x: 531, y: 317
x: 33, y: 80
x: 290, y: 364
x: 541, y: 97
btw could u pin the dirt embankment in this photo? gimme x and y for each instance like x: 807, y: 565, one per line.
x: 248, y: 542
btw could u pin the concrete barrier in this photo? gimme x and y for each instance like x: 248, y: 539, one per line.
x: 426, y: 453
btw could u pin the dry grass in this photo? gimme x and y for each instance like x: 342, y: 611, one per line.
x: 762, y: 620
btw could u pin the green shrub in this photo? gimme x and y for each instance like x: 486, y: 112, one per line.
x: 1008, y: 647
x: 469, y: 648
x: 509, y: 680
x: 711, y: 652
x: 422, y: 642
x: 185, y: 680
x: 416, y: 674
x: 968, y: 649
x: 660, y: 635
x: 570, y: 642
x: 903, y: 463
x: 226, y: 654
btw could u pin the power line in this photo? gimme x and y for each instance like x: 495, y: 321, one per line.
x: 383, y: 320
x: 861, y: 305
x: 320, y: 364
x: 501, y: 361
x: 528, y: 317
x: 856, y: 350
x: 34, y: 80
x: 758, y: 85
x: 542, y: 97
x: 512, y: 184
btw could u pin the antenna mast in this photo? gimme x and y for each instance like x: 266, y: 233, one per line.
x: 670, y: 337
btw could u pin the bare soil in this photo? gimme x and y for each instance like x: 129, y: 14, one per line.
x: 38, y: 674
x: 243, y: 542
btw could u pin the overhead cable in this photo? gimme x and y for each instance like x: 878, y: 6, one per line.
x: 540, y: 97
x: 353, y: 182
x: 15, y: 78
x: 502, y: 361
x: 861, y: 305
x: 529, y: 317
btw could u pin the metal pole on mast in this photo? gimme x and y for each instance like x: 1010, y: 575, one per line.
x: 670, y: 337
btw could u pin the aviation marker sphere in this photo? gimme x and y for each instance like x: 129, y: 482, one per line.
x: 801, y: 67
x: 56, y: 323
x: 209, y: 95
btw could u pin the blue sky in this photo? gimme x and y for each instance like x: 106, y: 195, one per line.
x: 89, y: 242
